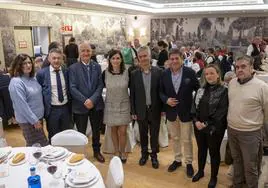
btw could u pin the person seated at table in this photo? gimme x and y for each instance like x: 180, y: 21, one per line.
x: 26, y: 96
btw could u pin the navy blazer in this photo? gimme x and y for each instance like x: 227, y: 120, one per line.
x: 189, y: 83
x: 43, y: 77
x: 81, y: 90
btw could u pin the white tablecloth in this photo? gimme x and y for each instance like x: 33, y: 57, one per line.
x: 18, y: 175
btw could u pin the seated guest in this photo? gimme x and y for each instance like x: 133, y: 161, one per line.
x: 117, y: 103
x: 26, y: 95
x: 209, y: 116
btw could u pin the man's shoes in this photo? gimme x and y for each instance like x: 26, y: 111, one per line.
x: 213, y: 182
x: 155, y: 163
x: 99, y: 157
x: 174, y: 166
x: 198, y: 176
x: 143, y: 160
x: 189, y: 170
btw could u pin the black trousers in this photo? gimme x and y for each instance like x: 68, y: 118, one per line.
x: 206, y: 142
x: 95, y: 121
x: 152, y: 125
x: 58, y: 120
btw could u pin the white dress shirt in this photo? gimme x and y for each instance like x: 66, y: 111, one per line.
x: 54, y: 91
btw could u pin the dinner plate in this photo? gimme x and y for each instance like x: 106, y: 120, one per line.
x: 91, y: 182
x: 57, y: 158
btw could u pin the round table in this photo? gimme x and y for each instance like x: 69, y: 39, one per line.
x: 17, y: 175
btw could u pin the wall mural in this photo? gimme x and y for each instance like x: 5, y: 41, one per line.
x: 103, y: 31
x: 233, y: 33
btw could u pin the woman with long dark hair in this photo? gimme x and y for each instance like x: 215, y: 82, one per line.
x: 117, y: 102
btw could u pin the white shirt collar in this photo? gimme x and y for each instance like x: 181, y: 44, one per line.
x: 51, y: 69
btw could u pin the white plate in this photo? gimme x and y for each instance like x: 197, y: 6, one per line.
x: 58, y: 158
x: 89, y: 184
x: 55, y: 152
x: 74, y: 164
x: 17, y: 164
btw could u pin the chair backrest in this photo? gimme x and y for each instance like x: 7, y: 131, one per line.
x: 115, y: 175
x: 72, y: 140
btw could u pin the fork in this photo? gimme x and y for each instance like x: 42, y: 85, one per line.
x: 69, y: 171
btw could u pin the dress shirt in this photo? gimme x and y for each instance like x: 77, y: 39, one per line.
x: 176, y: 79
x: 147, y: 86
x: 54, y: 90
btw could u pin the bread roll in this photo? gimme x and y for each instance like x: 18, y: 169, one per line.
x: 76, y: 158
x: 18, y: 158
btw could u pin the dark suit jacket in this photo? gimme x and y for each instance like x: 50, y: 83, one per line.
x: 43, y: 77
x: 137, y: 94
x: 189, y: 83
x: 81, y: 90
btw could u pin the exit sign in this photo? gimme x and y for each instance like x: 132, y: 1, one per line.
x: 67, y: 28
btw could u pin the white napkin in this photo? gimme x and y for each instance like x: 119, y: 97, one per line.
x: 77, y: 177
x: 5, y: 151
x: 53, y: 152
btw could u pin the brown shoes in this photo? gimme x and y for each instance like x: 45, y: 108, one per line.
x: 99, y: 157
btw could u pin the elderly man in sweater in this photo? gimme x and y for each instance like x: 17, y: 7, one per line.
x: 247, y: 114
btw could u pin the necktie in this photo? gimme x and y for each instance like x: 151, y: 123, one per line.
x: 89, y: 74
x: 59, y: 86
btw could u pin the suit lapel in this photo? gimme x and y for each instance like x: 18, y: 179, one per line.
x: 84, y: 71
x: 182, y: 79
x: 170, y: 80
x: 140, y: 80
x: 48, y: 80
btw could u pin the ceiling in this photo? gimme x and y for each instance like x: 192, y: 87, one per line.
x: 158, y: 7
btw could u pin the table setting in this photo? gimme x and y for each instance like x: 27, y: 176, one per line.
x: 56, y: 166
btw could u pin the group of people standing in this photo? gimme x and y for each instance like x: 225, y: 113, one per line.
x: 58, y: 94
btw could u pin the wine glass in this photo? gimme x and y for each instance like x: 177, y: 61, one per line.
x: 36, y: 151
x: 52, y: 168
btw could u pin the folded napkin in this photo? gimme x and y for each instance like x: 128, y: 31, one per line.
x: 53, y: 152
x: 5, y: 151
x: 77, y: 177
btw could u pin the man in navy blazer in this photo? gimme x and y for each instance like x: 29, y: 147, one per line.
x: 54, y: 82
x: 86, y: 90
x: 176, y: 91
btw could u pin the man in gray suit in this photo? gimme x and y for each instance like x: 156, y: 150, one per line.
x: 86, y: 90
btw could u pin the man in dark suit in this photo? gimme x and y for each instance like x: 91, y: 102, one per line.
x: 71, y: 52
x: 177, y: 86
x: 146, y: 104
x: 86, y: 90
x: 54, y: 82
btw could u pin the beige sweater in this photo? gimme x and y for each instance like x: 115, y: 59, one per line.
x: 248, y: 105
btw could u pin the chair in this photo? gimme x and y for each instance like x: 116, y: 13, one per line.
x: 72, y: 140
x: 115, y: 175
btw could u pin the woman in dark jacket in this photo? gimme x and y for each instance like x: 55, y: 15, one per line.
x: 210, y: 121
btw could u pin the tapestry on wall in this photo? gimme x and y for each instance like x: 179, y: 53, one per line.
x: 233, y: 33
